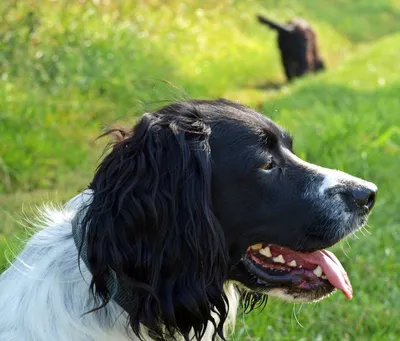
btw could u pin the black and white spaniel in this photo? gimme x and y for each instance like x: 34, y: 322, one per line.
x: 202, y: 204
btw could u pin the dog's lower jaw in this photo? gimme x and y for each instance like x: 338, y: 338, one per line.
x: 284, y: 295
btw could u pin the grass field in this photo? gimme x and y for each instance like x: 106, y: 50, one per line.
x: 67, y: 69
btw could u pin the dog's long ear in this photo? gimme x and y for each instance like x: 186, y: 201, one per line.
x: 151, y: 222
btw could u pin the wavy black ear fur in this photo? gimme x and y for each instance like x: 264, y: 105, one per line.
x: 151, y: 221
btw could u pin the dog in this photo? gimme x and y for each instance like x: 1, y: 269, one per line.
x: 298, y: 46
x: 200, y: 207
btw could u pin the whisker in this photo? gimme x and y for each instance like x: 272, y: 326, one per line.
x: 343, y: 250
x: 295, y: 315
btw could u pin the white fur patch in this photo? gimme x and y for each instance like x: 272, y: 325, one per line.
x: 285, y: 296
x: 331, y: 180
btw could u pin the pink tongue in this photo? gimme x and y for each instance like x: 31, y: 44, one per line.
x: 332, y: 268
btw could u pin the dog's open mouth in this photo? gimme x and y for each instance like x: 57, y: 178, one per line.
x: 298, y: 271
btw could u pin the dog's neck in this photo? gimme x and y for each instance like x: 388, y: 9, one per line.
x: 118, y: 289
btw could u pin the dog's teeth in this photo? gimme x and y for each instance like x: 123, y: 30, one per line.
x: 318, y: 271
x: 324, y: 277
x: 279, y: 259
x: 256, y: 247
x: 266, y: 252
x: 293, y: 263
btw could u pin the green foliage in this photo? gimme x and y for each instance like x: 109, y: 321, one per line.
x: 68, y: 68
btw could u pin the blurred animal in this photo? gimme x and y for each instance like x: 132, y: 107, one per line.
x: 297, y: 42
x: 199, y: 205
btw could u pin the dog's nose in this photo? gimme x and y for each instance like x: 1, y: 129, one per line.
x: 364, y: 197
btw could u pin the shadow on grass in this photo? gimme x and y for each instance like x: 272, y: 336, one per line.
x: 269, y: 86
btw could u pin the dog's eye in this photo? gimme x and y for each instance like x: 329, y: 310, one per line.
x: 268, y: 165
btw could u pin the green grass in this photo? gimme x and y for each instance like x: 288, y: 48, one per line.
x: 69, y: 68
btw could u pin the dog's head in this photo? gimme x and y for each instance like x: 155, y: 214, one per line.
x: 204, y: 192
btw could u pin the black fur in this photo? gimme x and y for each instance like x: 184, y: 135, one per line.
x: 181, y: 197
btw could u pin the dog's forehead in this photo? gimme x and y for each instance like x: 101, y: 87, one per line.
x: 230, y: 122
x: 236, y: 120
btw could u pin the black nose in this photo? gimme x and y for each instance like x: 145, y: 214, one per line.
x: 364, y: 197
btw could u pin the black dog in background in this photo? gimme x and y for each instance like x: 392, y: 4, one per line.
x: 298, y: 45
